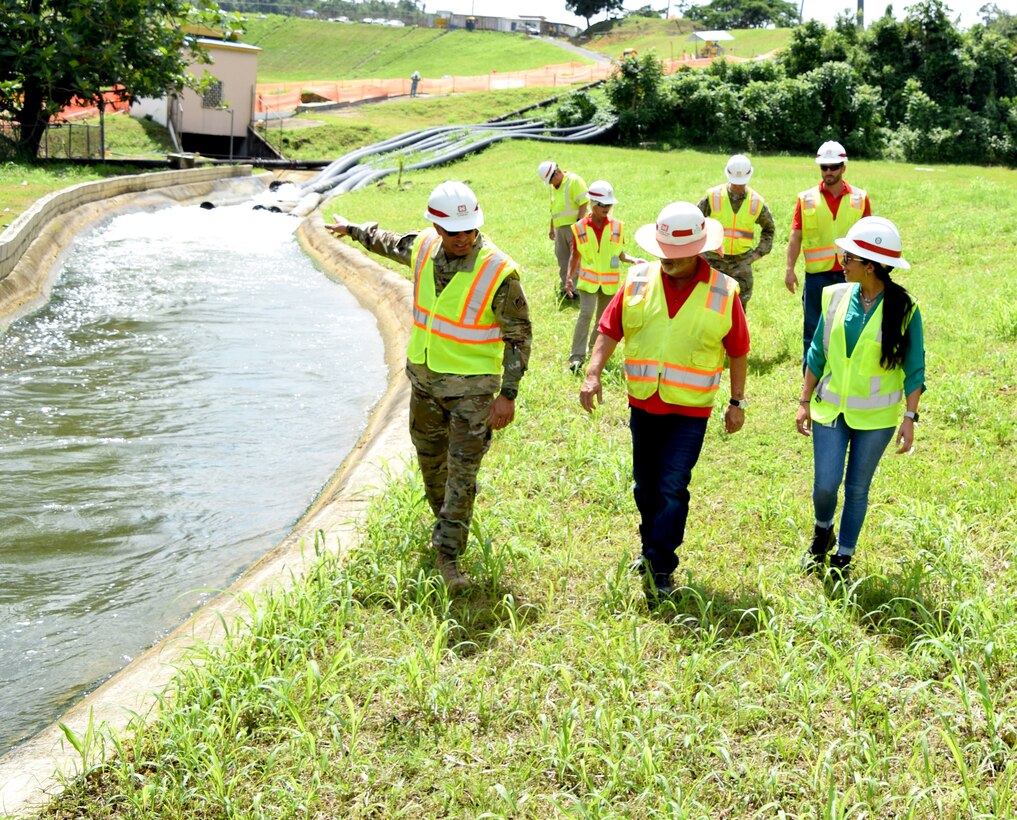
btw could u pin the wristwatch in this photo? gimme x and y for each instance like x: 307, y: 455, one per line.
x: 741, y: 404
x: 911, y: 414
x: 510, y: 393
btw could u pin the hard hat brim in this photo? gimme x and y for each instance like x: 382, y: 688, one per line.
x: 853, y: 247
x: 603, y: 200
x: 458, y: 223
x: 712, y: 238
x: 738, y: 179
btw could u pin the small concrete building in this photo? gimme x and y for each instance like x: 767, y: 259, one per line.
x: 216, y: 122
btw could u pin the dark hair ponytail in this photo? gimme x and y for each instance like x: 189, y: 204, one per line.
x: 897, y: 308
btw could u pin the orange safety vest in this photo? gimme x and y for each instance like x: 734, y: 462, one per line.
x: 457, y: 332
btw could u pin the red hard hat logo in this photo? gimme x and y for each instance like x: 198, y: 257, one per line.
x: 462, y: 209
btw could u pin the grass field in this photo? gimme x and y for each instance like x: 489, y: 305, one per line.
x: 551, y: 690
x: 300, y: 50
x: 670, y: 39
x: 328, y: 134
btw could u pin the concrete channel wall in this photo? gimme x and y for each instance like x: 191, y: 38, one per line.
x: 35, y: 771
x: 31, y: 245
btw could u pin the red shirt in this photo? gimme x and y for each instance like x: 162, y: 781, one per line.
x: 597, y: 232
x: 833, y: 203
x: 736, y: 343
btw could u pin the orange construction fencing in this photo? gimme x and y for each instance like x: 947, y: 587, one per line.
x: 87, y: 108
x: 283, y: 98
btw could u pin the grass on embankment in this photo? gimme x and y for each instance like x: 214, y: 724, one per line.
x: 300, y: 50
x: 329, y: 134
x: 670, y: 38
x: 21, y: 185
x: 551, y: 690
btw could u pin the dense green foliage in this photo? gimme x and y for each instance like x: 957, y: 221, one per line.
x: 917, y: 90
x: 52, y: 51
x: 591, y: 8
x: 724, y: 14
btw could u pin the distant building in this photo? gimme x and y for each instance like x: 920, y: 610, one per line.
x: 214, y: 123
x: 523, y: 24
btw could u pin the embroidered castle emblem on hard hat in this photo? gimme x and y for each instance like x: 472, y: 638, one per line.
x: 462, y: 209
x: 662, y: 227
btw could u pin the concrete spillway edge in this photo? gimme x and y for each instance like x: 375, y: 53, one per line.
x: 33, y: 772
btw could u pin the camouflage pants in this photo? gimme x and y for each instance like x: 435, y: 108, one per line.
x: 738, y: 268
x: 451, y: 437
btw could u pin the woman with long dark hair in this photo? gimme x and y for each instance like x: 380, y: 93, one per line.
x: 865, y: 374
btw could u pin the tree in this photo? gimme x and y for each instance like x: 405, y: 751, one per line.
x: 721, y: 14
x: 591, y: 8
x: 52, y: 51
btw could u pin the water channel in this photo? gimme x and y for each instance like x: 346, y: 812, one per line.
x: 164, y: 420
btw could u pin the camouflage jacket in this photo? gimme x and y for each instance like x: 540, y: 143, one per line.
x: 509, y: 306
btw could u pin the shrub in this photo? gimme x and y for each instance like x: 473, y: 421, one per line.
x: 576, y: 109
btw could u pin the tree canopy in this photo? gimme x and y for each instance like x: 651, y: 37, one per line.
x: 53, y: 51
x: 591, y: 8
x: 721, y: 14
x: 917, y: 90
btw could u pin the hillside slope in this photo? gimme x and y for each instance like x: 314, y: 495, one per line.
x: 297, y: 49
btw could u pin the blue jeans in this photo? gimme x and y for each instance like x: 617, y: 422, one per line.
x: 812, y: 304
x: 831, y: 446
x: 665, y: 448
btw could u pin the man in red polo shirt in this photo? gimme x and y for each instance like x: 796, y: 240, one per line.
x: 822, y: 215
x: 679, y: 319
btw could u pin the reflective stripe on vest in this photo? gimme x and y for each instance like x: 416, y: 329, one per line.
x: 877, y: 397
x: 739, y: 228
x: 457, y: 332
x: 565, y: 209
x: 599, y: 262
x: 681, y: 357
x: 820, y: 229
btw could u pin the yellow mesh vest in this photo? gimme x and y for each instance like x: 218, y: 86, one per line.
x: 565, y: 200
x: 740, y: 228
x: 599, y: 264
x: 869, y: 396
x: 683, y: 357
x: 457, y: 332
x: 819, y: 228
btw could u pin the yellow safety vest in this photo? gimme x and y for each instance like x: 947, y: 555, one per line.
x: 566, y: 199
x: 457, y: 332
x: 869, y: 396
x: 819, y: 228
x: 599, y: 260
x: 739, y: 228
x: 683, y: 357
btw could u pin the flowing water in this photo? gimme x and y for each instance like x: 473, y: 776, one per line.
x: 164, y: 420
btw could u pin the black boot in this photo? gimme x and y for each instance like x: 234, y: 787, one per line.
x: 840, y: 568
x: 823, y: 541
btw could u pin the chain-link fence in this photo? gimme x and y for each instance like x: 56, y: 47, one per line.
x: 63, y: 140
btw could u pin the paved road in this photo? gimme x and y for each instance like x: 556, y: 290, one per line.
x: 596, y: 56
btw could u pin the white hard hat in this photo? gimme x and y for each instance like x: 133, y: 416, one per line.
x: 546, y: 170
x: 680, y: 230
x: 602, y: 192
x: 831, y: 153
x: 454, y: 207
x: 738, y: 170
x: 875, y: 239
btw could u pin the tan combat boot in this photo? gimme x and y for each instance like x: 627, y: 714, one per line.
x: 450, y: 573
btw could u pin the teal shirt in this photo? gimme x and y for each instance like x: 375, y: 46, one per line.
x: 854, y: 322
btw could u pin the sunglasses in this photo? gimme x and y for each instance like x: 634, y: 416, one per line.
x: 831, y: 167
x: 845, y: 258
x: 457, y: 233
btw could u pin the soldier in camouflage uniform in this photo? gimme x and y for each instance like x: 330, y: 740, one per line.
x: 466, y: 357
x: 739, y: 209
